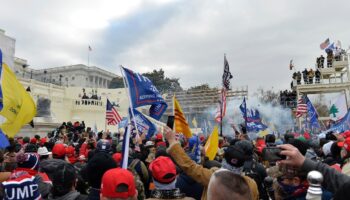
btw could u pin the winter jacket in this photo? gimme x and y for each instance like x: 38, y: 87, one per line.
x: 168, y: 194
x: 332, y: 179
x: 73, y: 195
x: 189, y: 186
x: 201, y: 174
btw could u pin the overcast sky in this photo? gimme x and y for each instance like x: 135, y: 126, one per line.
x: 187, y: 38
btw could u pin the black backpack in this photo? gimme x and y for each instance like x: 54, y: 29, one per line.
x: 249, y: 169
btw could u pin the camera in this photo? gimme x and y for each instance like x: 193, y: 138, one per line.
x: 272, y: 154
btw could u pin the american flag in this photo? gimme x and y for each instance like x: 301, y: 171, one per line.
x: 221, y: 113
x: 227, y: 75
x: 301, y: 107
x: 112, y: 116
x: 324, y: 44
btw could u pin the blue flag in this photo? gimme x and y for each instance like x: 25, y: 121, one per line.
x: 143, y: 92
x: 252, y: 118
x: 143, y: 124
x: 311, y: 114
x: 4, y: 142
x: 342, y: 125
x: 123, y: 123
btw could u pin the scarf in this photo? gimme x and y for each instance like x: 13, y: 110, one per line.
x: 167, y: 194
x: 231, y: 168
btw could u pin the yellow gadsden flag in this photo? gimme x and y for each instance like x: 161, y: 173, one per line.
x: 212, y: 145
x: 17, y: 105
x: 181, y: 125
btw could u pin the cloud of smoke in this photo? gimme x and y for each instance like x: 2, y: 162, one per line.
x: 277, y: 118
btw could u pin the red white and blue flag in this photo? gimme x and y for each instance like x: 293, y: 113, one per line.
x: 112, y: 115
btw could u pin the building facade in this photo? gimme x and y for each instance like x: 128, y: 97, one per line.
x: 73, y: 76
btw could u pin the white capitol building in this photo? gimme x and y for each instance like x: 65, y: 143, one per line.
x: 58, y: 92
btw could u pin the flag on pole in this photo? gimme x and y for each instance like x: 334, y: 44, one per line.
x: 125, y: 147
x: 339, y: 108
x: 301, y: 107
x: 112, y: 115
x: 243, y: 108
x: 181, y: 125
x: 221, y: 110
x: 227, y: 75
x: 194, y: 122
x: 17, y: 106
x: 123, y: 123
x: 291, y: 65
x: 143, y: 92
x: 143, y: 125
x: 324, y: 44
x: 312, y: 114
x: 212, y: 145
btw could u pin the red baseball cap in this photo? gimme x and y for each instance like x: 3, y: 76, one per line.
x: 59, y: 150
x: 117, y: 158
x: 345, y: 144
x: 43, y: 140
x: 159, y: 136
x: 163, y: 169
x: 118, y: 183
x: 33, y: 141
x: 70, y: 151
x: 346, y: 134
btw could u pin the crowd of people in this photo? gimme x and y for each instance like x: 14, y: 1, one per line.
x: 308, y: 76
x: 288, y: 98
x: 72, y: 162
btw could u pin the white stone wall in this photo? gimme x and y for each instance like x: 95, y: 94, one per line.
x: 7, y: 45
x: 64, y: 108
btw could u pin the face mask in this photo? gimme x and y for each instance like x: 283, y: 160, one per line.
x: 289, y: 189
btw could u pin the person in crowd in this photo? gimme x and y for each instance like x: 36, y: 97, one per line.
x: 329, y: 57
x: 317, y: 76
x: 334, y: 181
x: 298, y: 78
x: 64, y: 180
x: 321, y: 62
x: 225, y: 184
x: 311, y: 75
x: 305, y: 76
x: 234, y: 160
x: 43, y: 153
x: 119, y: 184
x: 59, y: 151
x: 164, y: 175
x: 94, y: 170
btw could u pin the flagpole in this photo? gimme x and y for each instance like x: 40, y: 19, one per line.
x: 106, y: 117
x: 129, y: 97
x: 174, y: 127
x: 221, y: 102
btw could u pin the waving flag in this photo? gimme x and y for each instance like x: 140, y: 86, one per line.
x: 143, y: 124
x: 301, y: 107
x: 221, y: 110
x: 338, y: 109
x: 252, y: 118
x: 212, y: 145
x: 181, y: 125
x: 312, y: 114
x: 324, y: 44
x: 112, y: 115
x: 342, y: 125
x: 17, y: 106
x: 123, y: 123
x: 227, y: 75
x: 143, y: 92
